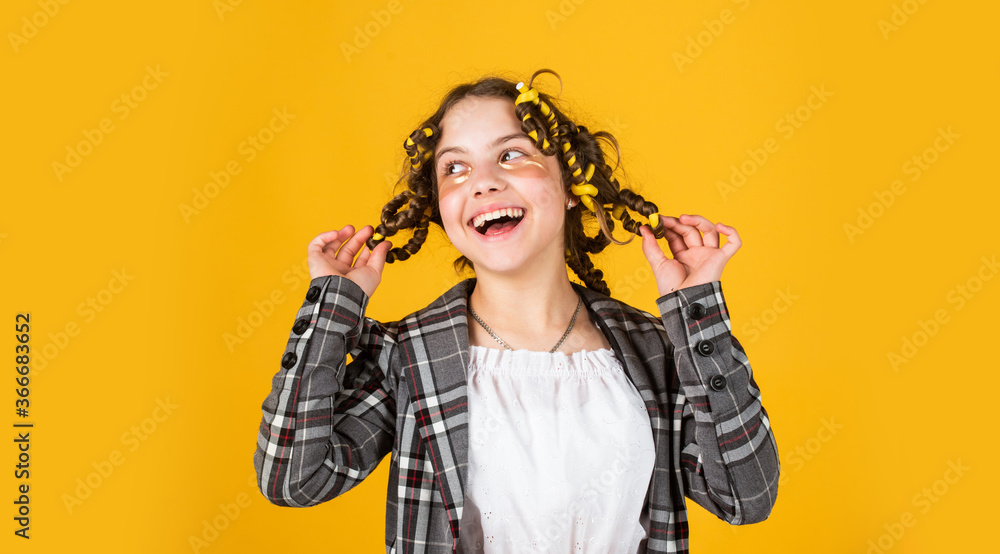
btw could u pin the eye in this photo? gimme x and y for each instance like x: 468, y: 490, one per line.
x: 504, y: 158
x: 448, y: 167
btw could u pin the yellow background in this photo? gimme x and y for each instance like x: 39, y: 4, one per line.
x: 823, y: 357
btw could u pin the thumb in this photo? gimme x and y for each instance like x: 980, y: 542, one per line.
x: 654, y: 255
x: 377, y: 259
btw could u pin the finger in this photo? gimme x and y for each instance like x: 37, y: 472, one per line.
x: 353, y: 245
x: 733, y: 241
x: 365, y: 255
x: 710, y: 234
x: 377, y: 259
x: 325, y: 240
x: 362, y: 260
x: 654, y: 255
x: 692, y: 237
x: 674, y: 239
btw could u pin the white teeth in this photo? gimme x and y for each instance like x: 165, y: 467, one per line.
x: 480, y: 219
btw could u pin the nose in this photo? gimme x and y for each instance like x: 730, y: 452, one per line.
x: 487, y: 179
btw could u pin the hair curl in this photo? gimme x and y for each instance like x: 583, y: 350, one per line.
x: 555, y: 135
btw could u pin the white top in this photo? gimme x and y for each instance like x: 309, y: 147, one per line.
x: 560, y: 454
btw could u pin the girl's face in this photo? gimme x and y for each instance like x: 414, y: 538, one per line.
x: 502, y: 202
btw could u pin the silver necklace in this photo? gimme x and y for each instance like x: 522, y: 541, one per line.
x: 572, y: 322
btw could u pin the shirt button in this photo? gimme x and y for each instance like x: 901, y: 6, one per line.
x: 300, y: 326
x: 717, y: 382
x: 705, y: 347
x: 288, y: 360
x: 313, y: 294
x: 696, y: 311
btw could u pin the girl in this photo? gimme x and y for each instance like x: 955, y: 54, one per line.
x: 524, y: 412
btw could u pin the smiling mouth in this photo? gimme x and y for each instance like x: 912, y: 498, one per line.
x: 497, y: 221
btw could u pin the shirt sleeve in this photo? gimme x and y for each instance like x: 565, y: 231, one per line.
x: 729, y: 458
x: 326, y: 422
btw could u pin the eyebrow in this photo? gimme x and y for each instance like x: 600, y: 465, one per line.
x: 494, y: 144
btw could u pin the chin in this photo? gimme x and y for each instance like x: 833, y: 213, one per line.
x: 495, y: 262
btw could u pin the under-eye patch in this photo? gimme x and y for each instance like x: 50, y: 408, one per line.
x: 525, y: 166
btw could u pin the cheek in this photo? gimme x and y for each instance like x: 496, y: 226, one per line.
x: 450, y: 208
x: 557, y: 189
x: 549, y: 192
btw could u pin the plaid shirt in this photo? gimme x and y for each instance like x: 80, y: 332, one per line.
x: 351, y: 389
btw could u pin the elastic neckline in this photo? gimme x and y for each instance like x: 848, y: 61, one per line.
x: 531, y: 362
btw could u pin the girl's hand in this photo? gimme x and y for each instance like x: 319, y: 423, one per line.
x: 333, y: 252
x: 697, y: 260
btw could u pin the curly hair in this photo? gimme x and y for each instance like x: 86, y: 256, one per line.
x: 555, y: 135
